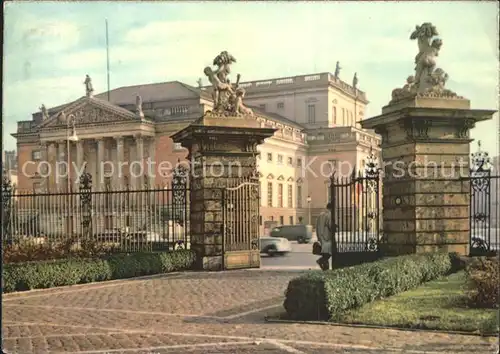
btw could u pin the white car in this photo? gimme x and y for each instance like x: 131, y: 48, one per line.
x: 274, y: 245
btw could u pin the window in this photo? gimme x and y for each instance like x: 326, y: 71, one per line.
x: 334, y: 115
x: 269, y: 157
x: 333, y: 165
x: 290, y: 220
x: 299, y: 196
x: 262, y: 106
x: 280, y: 159
x: 299, y: 162
x: 270, y: 194
x: 280, y: 105
x: 282, y: 220
x: 311, y: 113
x: 260, y: 219
x: 343, y: 116
x: 36, y: 187
x: 300, y: 219
x: 271, y: 218
x: 36, y: 155
x: 290, y: 161
x: 290, y: 196
x: 280, y: 195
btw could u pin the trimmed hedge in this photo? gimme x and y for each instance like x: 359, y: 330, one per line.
x: 483, y: 282
x: 328, y: 295
x: 71, y: 271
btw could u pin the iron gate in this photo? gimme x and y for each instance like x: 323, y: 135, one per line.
x: 240, y: 244
x: 356, y: 212
x: 484, y: 221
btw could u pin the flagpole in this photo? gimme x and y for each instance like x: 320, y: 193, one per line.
x: 107, y: 56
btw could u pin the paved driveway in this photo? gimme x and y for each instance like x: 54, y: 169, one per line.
x: 193, y: 313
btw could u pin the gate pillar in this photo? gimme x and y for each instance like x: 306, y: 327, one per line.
x: 425, y: 153
x: 222, y: 154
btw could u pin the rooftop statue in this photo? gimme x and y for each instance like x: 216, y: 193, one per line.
x: 89, y: 89
x: 428, y: 80
x: 45, y: 114
x: 228, y: 98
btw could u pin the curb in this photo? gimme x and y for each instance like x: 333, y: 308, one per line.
x: 351, y: 325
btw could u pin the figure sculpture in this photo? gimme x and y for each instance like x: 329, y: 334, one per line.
x: 355, y: 81
x: 138, y: 106
x: 228, y: 98
x: 337, y: 70
x: 428, y: 80
x: 62, y: 117
x: 45, y: 114
x: 88, y: 86
x: 200, y: 83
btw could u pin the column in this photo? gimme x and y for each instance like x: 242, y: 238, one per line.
x: 137, y: 162
x: 151, y: 167
x: 79, y: 159
x: 44, y: 147
x: 60, y: 164
x: 100, y: 166
x: 118, y: 177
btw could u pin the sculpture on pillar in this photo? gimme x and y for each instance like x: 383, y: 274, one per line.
x: 228, y: 98
x: 45, y: 114
x: 428, y: 80
x: 200, y: 83
x: 89, y: 89
x: 138, y: 106
x: 355, y: 81
x: 337, y: 70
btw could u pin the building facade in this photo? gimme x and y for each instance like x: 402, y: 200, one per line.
x: 317, y: 131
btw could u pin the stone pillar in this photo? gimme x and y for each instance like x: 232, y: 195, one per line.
x: 222, y: 152
x: 79, y: 158
x: 100, y: 165
x: 425, y: 151
x: 119, y: 162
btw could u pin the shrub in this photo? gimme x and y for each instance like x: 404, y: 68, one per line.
x: 47, y: 274
x: 328, y: 295
x: 483, y: 282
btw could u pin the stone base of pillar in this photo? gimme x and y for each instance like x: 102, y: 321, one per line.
x: 222, y: 154
x: 426, y: 195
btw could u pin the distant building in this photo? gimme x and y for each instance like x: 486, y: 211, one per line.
x: 316, y: 116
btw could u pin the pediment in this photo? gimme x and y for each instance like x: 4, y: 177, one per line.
x: 261, y: 175
x: 89, y: 110
x: 270, y: 176
x: 299, y: 180
x: 281, y: 178
x: 290, y: 179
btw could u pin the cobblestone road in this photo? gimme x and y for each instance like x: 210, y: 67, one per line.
x: 194, y: 313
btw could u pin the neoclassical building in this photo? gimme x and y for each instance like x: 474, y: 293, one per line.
x: 316, y: 116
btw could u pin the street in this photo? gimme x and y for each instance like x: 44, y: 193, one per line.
x: 301, y: 258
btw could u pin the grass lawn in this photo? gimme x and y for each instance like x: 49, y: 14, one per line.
x: 438, y: 304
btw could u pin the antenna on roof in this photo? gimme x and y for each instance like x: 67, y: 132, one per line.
x: 107, y: 56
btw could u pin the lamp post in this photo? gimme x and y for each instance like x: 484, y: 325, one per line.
x: 309, y: 199
x: 69, y: 139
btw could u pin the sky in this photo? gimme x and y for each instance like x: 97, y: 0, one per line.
x: 49, y: 47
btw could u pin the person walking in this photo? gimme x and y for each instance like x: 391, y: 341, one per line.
x: 324, y: 234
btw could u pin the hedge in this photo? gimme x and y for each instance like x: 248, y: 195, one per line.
x: 483, y: 282
x: 328, y: 295
x: 71, y: 271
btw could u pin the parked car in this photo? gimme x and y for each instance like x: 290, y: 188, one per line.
x: 299, y: 233
x: 274, y: 246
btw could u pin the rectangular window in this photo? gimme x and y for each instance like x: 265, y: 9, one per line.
x: 280, y: 105
x: 311, y: 113
x: 291, y: 220
x: 343, y: 117
x: 282, y: 220
x: 280, y: 159
x: 299, y: 196
x: 262, y: 106
x: 299, y: 162
x: 290, y: 161
x: 280, y: 195
x: 260, y: 219
x: 290, y: 196
x: 36, y: 187
x: 36, y: 155
x: 269, y: 157
x: 271, y: 218
x: 270, y: 194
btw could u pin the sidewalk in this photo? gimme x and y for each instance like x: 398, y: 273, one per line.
x: 220, y: 312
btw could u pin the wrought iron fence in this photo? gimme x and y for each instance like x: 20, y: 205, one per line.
x: 356, y: 210
x: 484, y: 205
x: 123, y: 220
